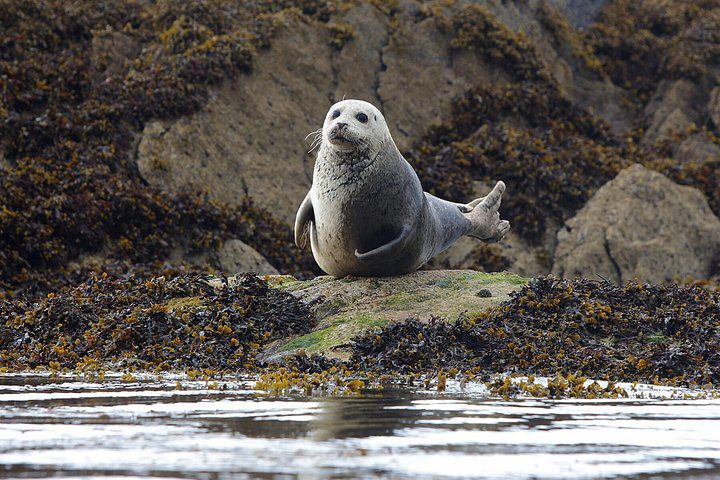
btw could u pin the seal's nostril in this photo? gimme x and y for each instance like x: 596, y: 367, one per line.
x: 341, y: 125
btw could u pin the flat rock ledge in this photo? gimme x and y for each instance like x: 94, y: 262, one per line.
x: 350, y: 306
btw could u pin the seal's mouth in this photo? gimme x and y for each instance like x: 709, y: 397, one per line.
x: 342, y: 140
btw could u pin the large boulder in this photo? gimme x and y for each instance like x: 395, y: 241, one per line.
x: 249, y: 137
x: 640, y: 225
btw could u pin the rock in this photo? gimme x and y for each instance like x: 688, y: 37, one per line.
x: 236, y: 256
x: 714, y: 108
x: 697, y: 148
x: 420, y: 64
x: 359, y: 62
x: 671, y: 111
x: 249, y: 137
x: 640, y: 225
x: 348, y: 307
x: 580, y: 13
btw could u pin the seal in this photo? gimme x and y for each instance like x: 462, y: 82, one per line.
x: 366, y: 213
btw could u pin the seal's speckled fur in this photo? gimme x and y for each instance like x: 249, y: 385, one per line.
x: 366, y: 212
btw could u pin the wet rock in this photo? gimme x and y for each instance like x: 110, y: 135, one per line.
x: 640, y: 225
x: 697, y: 148
x: 237, y: 256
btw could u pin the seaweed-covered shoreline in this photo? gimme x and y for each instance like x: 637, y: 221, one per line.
x: 80, y: 80
x: 549, y: 327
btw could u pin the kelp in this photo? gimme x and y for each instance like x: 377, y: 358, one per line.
x: 179, y: 324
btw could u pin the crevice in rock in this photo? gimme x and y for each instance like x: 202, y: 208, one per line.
x: 606, y: 245
x: 381, y: 67
x: 334, y: 54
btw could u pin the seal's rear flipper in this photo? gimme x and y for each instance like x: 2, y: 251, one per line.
x: 485, y: 218
x: 305, y: 215
x: 390, y: 250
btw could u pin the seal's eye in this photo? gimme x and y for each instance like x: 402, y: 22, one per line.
x: 335, y: 114
x: 362, y: 117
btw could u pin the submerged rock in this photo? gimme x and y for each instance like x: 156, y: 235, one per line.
x: 640, y: 225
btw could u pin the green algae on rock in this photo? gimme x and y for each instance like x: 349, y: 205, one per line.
x: 347, y: 307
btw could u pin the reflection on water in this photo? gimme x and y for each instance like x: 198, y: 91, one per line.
x: 59, y: 427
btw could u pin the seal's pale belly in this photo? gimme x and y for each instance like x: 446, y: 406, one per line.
x: 346, y: 222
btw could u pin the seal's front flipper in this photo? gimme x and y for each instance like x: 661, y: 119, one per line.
x: 390, y: 250
x: 305, y: 215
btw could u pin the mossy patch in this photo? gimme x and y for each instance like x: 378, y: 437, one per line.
x: 503, y: 277
x: 340, y: 332
x: 345, y: 307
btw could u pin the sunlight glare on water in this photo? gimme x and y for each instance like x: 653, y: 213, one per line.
x: 51, y: 427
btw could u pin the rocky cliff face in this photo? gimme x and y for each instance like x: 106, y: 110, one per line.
x: 145, y: 137
x: 412, y: 63
x: 248, y: 137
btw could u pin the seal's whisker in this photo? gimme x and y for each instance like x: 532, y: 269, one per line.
x: 314, y: 132
x: 315, y: 143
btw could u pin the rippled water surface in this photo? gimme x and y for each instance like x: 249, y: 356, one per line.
x: 153, y: 429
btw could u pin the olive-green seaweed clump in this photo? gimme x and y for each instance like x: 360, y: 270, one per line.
x: 474, y: 27
x: 641, y: 42
x: 636, y: 332
x: 153, y: 325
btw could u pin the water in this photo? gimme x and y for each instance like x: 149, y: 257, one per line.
x: 152, y: 429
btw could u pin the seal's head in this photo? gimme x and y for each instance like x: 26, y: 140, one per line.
x: 355, y: 126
